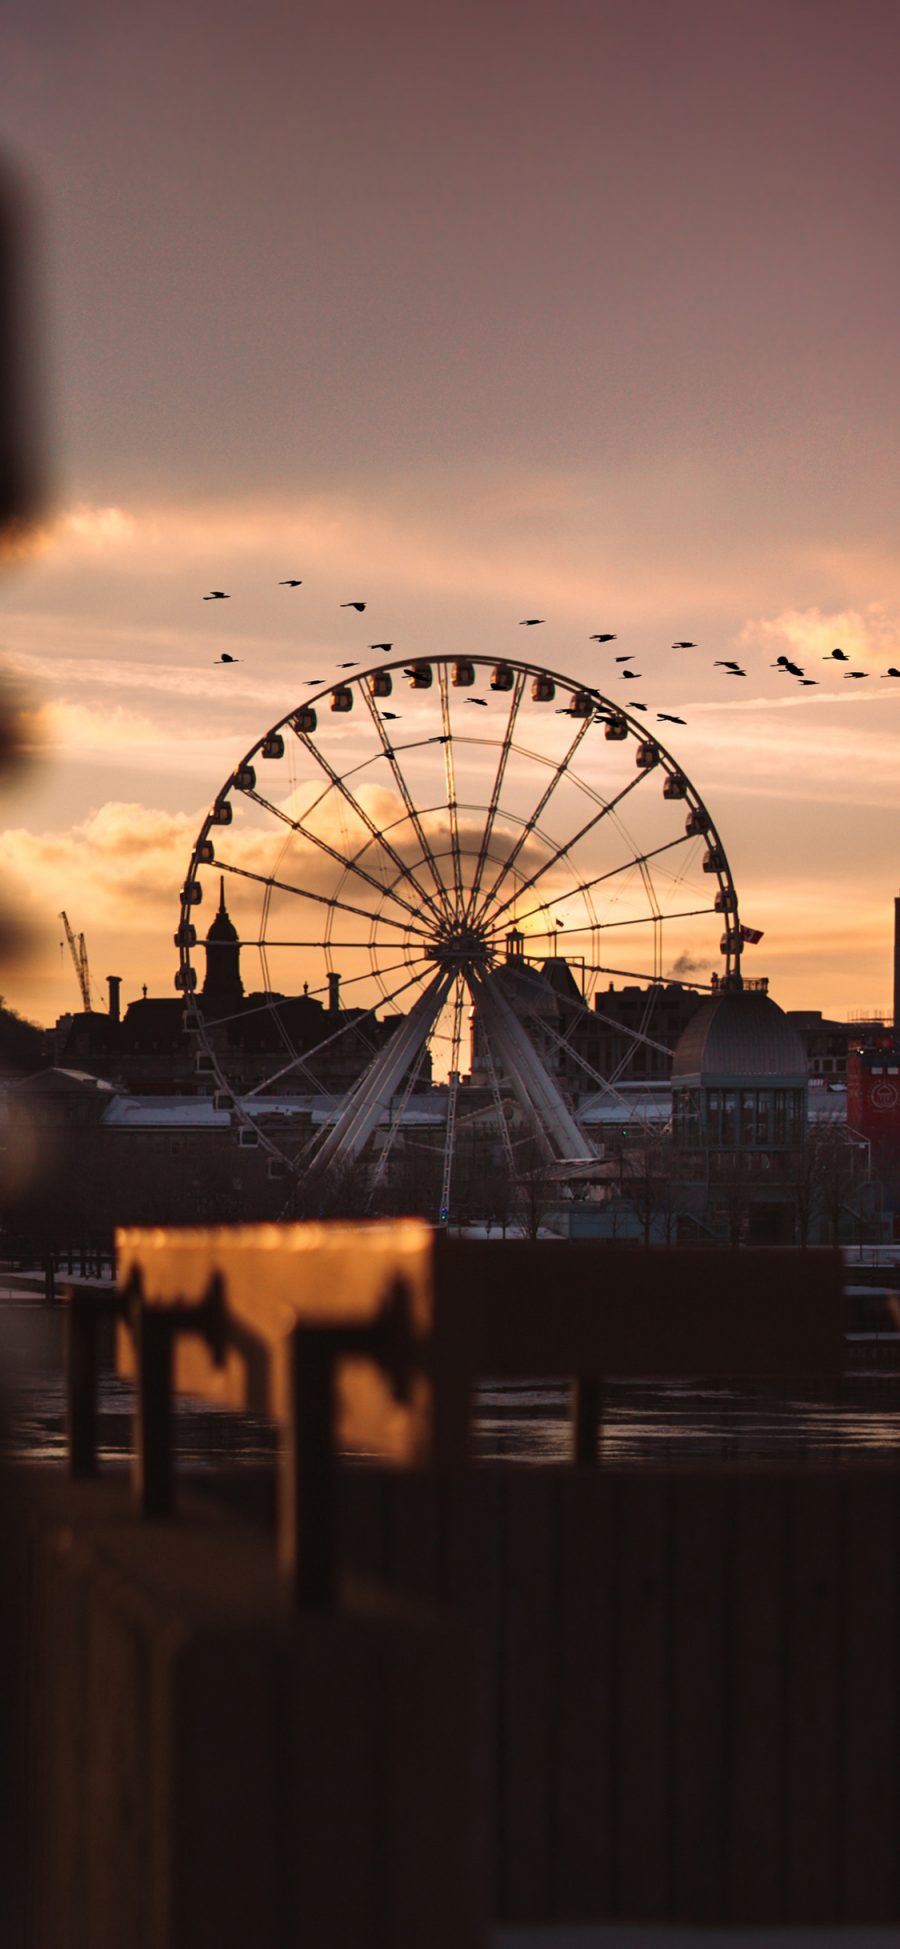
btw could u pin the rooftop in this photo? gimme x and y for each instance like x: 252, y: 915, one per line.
x: 740, y: 1035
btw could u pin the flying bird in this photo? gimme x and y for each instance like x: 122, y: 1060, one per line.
x: 352, y: 665
x: 608, y: 637
x: 891, y: 673
x: 624, y: 659
x: 530, y: 622
x: 390, y: 713
x: 353, y: 605
x: 477, y: 700
x: 735, y: 673
x: 225, y: 658
x: 809, y: 680
x: 381, y: 646
x: 630, y: 676
x: 722, y: 663
x: 850, y: 674
x: 637, y: 707
x: 293, y: 582
x: 839, y: 656
x: 665, y: 717
x: 784, y: 663
x: 684, y: 646
x: 217, y: 595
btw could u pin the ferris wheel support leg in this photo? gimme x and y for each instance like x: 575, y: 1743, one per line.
x: 371, y: 1098
x: 539, y: 1098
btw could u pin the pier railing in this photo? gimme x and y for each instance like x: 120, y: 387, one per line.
x: 689, y: 1680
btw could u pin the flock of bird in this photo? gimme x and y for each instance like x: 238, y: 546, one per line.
x: 731, y: 667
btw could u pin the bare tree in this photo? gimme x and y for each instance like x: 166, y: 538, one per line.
x: 649, y: 1184
x: 828, y: 1176
x: 536, y: 1192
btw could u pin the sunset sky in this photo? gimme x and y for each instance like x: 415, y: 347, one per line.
x: 585, y: 311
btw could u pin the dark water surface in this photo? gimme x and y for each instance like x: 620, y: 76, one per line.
x: 643, y: 1422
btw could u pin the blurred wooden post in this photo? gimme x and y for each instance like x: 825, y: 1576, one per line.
x: 86, y: 1308
x: 81, y: 1384
x: 152, y: 1461
x: 306, y: 1487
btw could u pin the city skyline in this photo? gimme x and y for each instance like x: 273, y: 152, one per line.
x: 591, y: 322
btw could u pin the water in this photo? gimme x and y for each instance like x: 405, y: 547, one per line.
x: 643, y: 1422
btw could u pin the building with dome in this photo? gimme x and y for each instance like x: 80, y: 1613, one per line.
x: 739, y: 1119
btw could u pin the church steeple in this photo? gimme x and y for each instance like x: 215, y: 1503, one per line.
x: 223, y: 986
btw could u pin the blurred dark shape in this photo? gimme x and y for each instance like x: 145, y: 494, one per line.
x: 20, y: 471
x: 20, y: 501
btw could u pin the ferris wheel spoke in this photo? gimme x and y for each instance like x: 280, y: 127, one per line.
x: 568, y: 1048
x: 562, y: 851
x: 266, y: 941
x: 348, y: 1028
x: 397, y: 1115
x: 645, y: 920
x: 539, y: 1098
x: 321, y: 899
x: 502, y: 1124
x: 360, y: 813
x: 497, y: 789
x: 369, y: 974
x: 641, y: 974
x: 390, y: 752
x: 535, y: 816
x: 587, y: 886
x: 580, y: 1008
x: 450, y: 779
x: 344, y: 860
x: 371, y: 1096
x: 459, y: 997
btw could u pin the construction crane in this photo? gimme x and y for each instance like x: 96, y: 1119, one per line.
x: 78, y: 951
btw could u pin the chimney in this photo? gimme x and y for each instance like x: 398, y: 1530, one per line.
x: 115, y: 984
x: 334, y: 991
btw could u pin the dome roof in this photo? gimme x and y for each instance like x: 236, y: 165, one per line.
x: 741, y: 1035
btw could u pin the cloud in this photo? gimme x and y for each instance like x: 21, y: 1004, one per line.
x: 471, y: 539
x: 869, y: 633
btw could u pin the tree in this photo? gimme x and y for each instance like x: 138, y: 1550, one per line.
x: 650, y: 1184
x: 536, y: 1191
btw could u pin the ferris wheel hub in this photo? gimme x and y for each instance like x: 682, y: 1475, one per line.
x: 461, y: 945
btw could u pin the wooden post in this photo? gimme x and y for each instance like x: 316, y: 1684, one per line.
x: 81, y: 1384
x: 306, y: 1488
x: 152, y: 1462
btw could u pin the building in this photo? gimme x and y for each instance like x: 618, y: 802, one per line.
x: 739, y: 1119
x: 280, y: 1042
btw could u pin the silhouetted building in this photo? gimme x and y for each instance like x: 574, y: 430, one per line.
x: 223, y: 989
x: 739, y: 1118
x: 280, y: 1043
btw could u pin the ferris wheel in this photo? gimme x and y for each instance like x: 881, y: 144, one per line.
x: 434, y: 871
